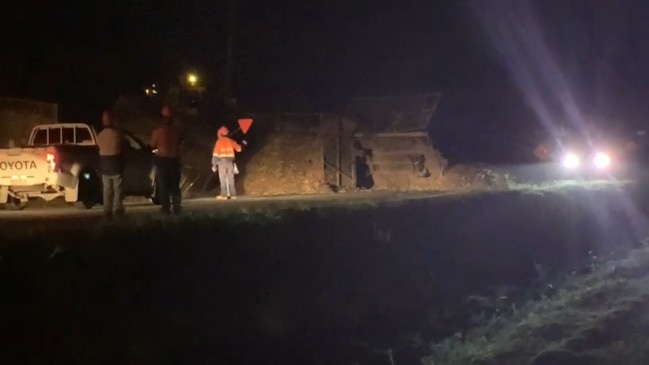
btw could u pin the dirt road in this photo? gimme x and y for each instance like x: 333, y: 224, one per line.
x: 206, y: 205
x: 39, y: 210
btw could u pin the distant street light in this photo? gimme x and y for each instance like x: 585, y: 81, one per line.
x: 150, y: 91
x: 192, y: 79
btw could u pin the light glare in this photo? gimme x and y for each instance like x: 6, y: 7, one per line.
x: 571, y: 160
x: 602, y: 160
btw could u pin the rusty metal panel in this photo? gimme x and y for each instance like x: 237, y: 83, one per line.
x: 393, y: 113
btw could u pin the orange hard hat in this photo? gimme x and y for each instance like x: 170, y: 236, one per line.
x: 223, y: 131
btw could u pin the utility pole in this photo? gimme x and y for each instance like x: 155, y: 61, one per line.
x: 229, y: 62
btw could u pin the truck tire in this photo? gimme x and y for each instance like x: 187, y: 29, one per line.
x: 89, y: 190
x: 15, y: 204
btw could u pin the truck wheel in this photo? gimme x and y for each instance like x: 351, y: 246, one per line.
x: 89, y: 190
x: 15, y: 204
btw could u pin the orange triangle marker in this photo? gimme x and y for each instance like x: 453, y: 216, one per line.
x: 245, y: 124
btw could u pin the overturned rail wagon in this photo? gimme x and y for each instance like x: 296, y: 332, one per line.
x: 376, y: 143
x: 391, y: 146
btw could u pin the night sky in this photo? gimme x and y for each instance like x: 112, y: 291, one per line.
x: 311, y: 55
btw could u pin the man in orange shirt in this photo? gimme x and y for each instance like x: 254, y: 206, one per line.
x: 166, y: 141
x: 223, y: 160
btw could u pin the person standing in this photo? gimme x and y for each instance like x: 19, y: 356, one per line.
x: 111, y: 164
x: 223, y: 161
x: 166, y: 141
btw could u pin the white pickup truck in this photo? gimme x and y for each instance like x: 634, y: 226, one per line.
x: 62, y: 160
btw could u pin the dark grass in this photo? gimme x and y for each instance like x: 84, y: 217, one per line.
x: 300, y: 286
x: 597, y: 318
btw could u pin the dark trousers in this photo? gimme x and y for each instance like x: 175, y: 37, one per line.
x: 168, y: 182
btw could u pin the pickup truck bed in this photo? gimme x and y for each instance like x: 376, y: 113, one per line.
x: 24, y: 166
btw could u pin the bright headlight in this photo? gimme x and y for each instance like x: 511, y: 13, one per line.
x: 601, y: 160
x: 570, y: 160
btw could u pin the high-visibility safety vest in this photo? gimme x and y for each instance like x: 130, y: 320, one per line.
x: 225, y: 147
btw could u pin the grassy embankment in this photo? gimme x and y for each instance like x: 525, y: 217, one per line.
x: 596, y: 318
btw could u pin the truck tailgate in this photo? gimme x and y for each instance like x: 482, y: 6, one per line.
x: 24, y: 166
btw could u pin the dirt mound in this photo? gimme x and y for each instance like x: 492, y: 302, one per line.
x: 288, y: 163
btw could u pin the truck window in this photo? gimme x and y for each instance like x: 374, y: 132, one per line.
x: 55, y: 136
x: 83, y: 135
x: 40, y: 138
x: 68, y: 135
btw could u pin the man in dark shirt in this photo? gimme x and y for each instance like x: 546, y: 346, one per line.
x: 111, y: 164
x: 166, y: 141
